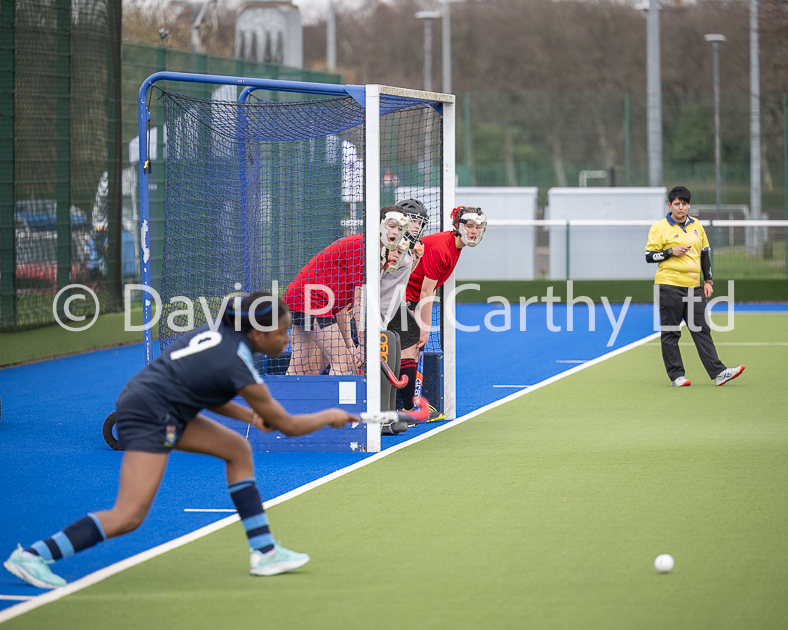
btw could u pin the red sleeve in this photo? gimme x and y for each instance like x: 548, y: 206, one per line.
x: 432, y: 263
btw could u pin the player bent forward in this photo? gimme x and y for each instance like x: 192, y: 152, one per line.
x: 680, y: 246
x: 324, y: 297
x: 158, y: 411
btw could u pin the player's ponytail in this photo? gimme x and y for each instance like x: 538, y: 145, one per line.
x: 258, y: 306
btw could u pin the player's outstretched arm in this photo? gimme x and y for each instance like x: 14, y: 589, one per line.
x: 272, y: 414
x: 235, y: 411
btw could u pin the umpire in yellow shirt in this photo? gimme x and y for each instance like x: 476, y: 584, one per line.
x: 680, y: 246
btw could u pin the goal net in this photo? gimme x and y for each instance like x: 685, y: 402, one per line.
x: 266, y: 194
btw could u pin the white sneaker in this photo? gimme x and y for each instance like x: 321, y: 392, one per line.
x: 681, y: 381
x: 728, y: 375
x: 280, y: 560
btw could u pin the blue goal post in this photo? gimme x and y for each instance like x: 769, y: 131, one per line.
x: 258, y: 192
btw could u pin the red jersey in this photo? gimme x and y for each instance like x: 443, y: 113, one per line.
x: 339, y: 267
x: 439, y: 260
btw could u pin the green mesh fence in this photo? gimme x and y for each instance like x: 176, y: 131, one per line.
x: 59, y: 156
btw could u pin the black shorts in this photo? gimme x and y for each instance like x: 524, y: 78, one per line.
x: 299, y: 319
x: 141, y: 429
x: 410, y: 337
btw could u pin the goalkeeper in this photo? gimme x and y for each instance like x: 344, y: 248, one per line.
x: 158, y: 412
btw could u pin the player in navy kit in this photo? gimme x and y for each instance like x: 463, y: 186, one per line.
x: 159, y: 411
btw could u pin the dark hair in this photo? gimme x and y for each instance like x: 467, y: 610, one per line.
x: 263, y: 312
x: 679, y: 192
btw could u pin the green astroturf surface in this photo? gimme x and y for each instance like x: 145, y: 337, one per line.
x: 547, y: 512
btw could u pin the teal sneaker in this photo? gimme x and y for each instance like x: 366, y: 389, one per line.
x: 32, y: 569
x: 280, y: 560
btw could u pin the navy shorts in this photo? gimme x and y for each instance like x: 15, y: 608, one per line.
x: 140, y: 429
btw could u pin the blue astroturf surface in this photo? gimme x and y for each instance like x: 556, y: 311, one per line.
x: 55, y: 466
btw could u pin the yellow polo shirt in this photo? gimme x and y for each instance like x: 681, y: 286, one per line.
x: 679, y: 271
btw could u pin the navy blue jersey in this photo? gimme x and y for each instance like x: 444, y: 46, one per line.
x: 204, y: 368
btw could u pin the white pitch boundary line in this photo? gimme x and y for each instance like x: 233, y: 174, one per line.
x: 102, y: 574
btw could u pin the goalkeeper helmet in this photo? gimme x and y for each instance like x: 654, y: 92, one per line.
x: 418, y: 215
x: 393, y: 224
x: 462, y: 216
x: 392, y: 258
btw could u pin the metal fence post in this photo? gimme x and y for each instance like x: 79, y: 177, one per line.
x: 7, y: 163
x: 785, y: 176
x: 626, y: 137
x: 63, y: 140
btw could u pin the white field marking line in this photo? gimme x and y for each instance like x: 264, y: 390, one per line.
x: 102, y: 574
x: 687, y: 344
x: 570, y: 361
x: 209, y: 510
x: 16, y: 598
x: 723, y: 311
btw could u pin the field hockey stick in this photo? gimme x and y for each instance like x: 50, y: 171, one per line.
x: 398, y: 383
x: 420, y: 413
x: 419, y: 377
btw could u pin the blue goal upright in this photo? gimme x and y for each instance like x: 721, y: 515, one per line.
x: 274, y: 184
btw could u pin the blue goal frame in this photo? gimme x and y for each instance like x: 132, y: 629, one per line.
x: 368, y: 96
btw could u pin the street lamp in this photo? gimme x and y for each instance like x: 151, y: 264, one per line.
x: 428, y: 16
x: 715, y: 40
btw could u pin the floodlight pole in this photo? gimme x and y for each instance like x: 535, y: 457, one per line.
x: 654, y: 95
x: 428, y: 16
x: 446, y: 48
x: 331, y: 38
x: 715, y: 40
